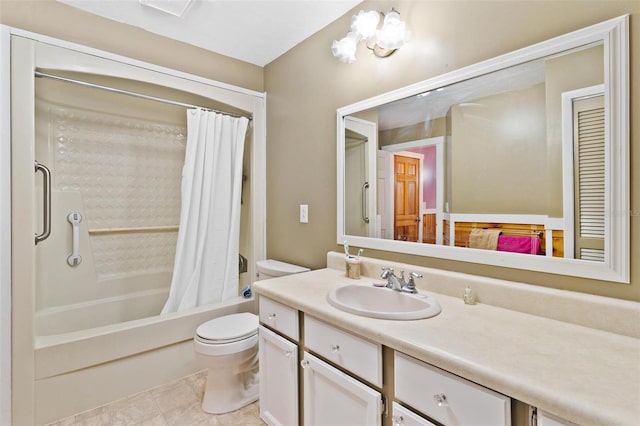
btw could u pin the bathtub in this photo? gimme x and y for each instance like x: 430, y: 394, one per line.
x: 86, y: 356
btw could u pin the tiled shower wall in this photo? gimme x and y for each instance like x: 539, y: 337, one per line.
x: 128, y: 174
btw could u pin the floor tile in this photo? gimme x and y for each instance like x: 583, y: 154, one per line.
x: 178, y: 403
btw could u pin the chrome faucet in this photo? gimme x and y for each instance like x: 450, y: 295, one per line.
x: 398, y: 283
x: 393, y: 282
x: 410, y: 287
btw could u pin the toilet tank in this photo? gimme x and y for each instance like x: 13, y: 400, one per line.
x: 273, y: 268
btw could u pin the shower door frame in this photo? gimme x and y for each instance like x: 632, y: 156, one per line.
x: 17, y: 285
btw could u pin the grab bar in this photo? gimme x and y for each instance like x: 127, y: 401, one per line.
x: 365, y: 215
x: 74, y: 219
x: 46, y: 202
x: 167, y: 228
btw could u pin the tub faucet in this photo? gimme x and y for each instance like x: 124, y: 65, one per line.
x: 398, y: 283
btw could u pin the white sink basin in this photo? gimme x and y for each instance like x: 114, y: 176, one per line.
x: 383, y: 303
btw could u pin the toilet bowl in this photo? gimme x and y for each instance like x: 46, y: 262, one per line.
x: 228, y: 348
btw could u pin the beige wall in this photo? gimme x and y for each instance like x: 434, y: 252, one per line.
x: 301, y: 147
x: 306, y: 86
x: 58, y: 20
x: 563, y: 74
x: 482, y: 151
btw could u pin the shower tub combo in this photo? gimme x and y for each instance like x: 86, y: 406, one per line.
x: 77, y: 369
x: 115, y: 185
x: 97, y: 283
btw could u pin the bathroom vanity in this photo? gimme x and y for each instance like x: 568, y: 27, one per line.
x: 522, y: 355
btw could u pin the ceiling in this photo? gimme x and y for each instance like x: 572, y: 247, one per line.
x: 254, y: 31
x: 427, y: 106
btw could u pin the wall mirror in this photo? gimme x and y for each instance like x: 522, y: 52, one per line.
x: 519, y: 161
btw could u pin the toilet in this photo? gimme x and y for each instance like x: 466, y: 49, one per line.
x: 228, y: 347
x: 273, y: 268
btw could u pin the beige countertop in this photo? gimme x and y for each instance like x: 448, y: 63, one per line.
x: 578, y: 373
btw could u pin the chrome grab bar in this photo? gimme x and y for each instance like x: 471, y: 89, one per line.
x: 74, y: 219
x: 46, y: 202
x: 365, y: 216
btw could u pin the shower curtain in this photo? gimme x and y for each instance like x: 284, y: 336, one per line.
x: 206, y: 263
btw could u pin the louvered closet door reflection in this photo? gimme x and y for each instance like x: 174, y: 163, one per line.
x: 589, y: 159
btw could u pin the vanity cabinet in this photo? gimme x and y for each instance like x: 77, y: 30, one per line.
x: 342, y: 380
x: 447, y: 398
x: 278, y: 358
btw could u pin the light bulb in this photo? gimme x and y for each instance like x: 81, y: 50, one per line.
x: 345, y: 48
x: 365, y: 24
x: 393, y: 33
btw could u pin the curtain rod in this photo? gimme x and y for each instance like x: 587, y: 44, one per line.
x: 134, y: 94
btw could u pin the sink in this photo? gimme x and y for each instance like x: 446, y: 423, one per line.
x: 384, y: 303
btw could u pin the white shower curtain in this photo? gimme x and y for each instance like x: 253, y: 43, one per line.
x: 206, y: 262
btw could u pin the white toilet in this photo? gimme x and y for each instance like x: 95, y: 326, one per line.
x: 228, y: 347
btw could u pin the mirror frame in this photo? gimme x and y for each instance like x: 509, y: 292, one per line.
x: 614, y: 34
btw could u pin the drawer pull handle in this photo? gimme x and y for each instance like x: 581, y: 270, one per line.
x: 272, y: 316
x: 304, y: 363
x: 440, y: 399
x: 335, y: 348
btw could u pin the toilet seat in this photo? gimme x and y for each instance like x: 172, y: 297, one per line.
x: 228, y: 329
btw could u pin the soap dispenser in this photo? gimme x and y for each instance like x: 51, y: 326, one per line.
x: 469, y: 297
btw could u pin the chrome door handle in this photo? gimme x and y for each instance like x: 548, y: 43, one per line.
x: 46, y: 202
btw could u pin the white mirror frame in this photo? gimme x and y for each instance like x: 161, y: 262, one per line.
x: 614, y: 34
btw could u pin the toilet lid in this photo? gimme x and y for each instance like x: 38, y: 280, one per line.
x: 229, y: 328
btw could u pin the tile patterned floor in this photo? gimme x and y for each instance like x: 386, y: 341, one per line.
x: 174, y: 404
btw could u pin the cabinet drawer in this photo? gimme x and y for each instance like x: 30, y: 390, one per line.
x: 361, y: 357
x: 404, y: 417
x: 447, y: 398
x: 279, y: 317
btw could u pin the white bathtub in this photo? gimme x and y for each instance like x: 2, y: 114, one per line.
x: 99, y: 313
x: 86, y: 357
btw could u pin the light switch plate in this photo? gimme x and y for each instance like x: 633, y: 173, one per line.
x: 304, y: 213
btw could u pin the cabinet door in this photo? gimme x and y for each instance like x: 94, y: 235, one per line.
x: 278, y: 379
x: 403, y: 417
x: 332, y: 398
x: 546, y: 419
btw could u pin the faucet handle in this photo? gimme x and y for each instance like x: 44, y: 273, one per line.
x: 410, y: 287
x: 386, y: 272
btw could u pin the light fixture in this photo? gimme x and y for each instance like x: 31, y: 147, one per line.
x: 364, y: 27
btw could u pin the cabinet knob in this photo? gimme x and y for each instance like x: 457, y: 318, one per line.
x: 272, y: 316
x: 397, y: 421
x: 441, y: 399
x: 304, y: 363
x: 288, y: 354
x: 335, y: 348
